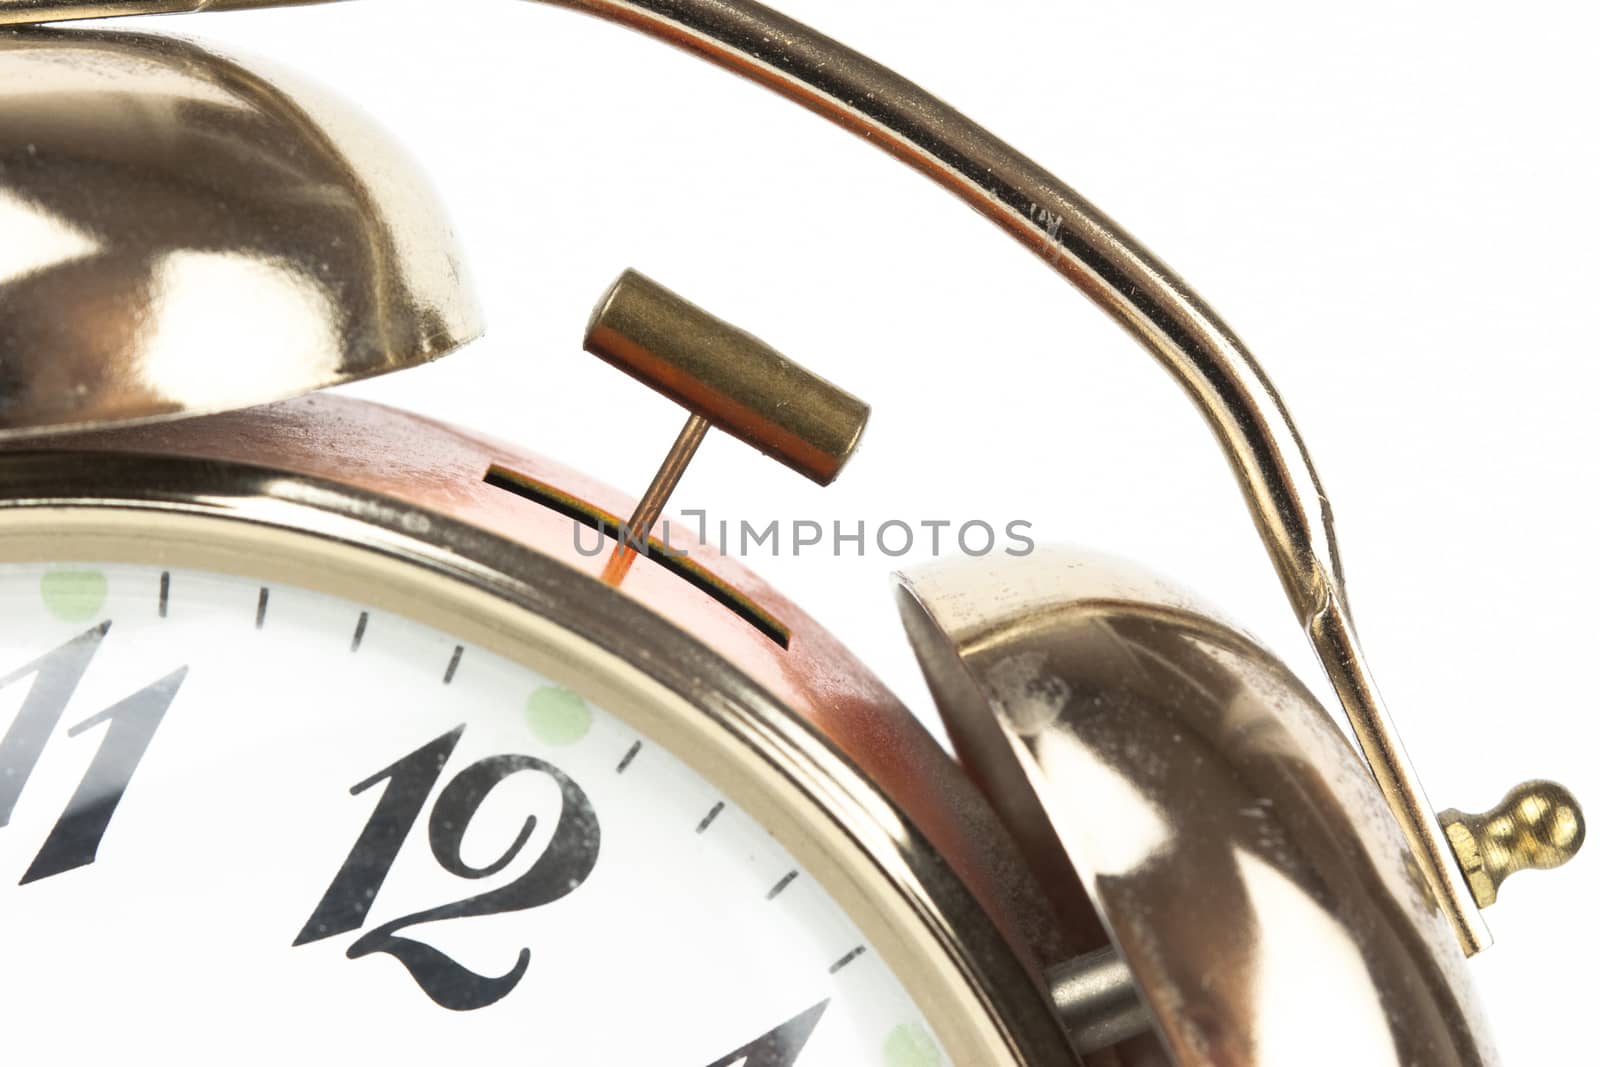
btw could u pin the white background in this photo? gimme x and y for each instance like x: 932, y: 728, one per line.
x: 1394, y: 206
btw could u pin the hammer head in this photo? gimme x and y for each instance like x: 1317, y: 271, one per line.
x: 735, y: 381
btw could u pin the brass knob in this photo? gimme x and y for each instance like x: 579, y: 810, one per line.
x: 1538, y: 824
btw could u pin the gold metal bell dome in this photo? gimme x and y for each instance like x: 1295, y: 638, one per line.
x: 185, y: 236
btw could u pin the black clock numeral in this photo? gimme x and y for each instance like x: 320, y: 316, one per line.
x: 56, y: 675
x: 564, y: 865
x: 411, y: 778
x: 779, y: 1047
x: 75, y: 839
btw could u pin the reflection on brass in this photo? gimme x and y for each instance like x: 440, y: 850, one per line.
x: 1538, y: 825
x: 1171, y: 779
x: 179, y: 234
x: 738, y: 383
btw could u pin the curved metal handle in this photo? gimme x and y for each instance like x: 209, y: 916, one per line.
x: 1130, y: 284
x: 1136, y: 289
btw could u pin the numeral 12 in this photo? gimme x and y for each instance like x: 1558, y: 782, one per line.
x: 563, y: 866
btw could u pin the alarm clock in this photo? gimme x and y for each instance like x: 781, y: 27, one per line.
x: 332, y: 731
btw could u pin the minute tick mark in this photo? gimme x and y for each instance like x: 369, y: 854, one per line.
x: 783, y: 883
x: 848, y: 958
x: 455, y: 661
x: 261, y: 608
x: 165, y: 593
x: 633, y: 750
x: 716, y: 809
x: 361, y: 631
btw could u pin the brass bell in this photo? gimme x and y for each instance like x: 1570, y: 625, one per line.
x: 1196, y: 816
x: 184, y: 236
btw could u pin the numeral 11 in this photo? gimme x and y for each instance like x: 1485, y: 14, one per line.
x: 75, y: 839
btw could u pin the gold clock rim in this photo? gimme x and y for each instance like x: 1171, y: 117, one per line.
x: 339, y: 540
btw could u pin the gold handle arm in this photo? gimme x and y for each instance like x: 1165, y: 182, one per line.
x: 27, y: 12
x: 1130, y: 284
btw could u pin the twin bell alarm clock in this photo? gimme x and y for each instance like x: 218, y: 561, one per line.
x: 324, y: 739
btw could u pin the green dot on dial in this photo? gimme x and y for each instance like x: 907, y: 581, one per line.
x: 910, y: 1045
x: 558, y: 716
x: 73, y: 595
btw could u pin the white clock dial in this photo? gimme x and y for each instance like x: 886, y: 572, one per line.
x: 257, y: 824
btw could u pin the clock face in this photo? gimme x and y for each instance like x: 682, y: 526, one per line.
x: 255, y: 824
